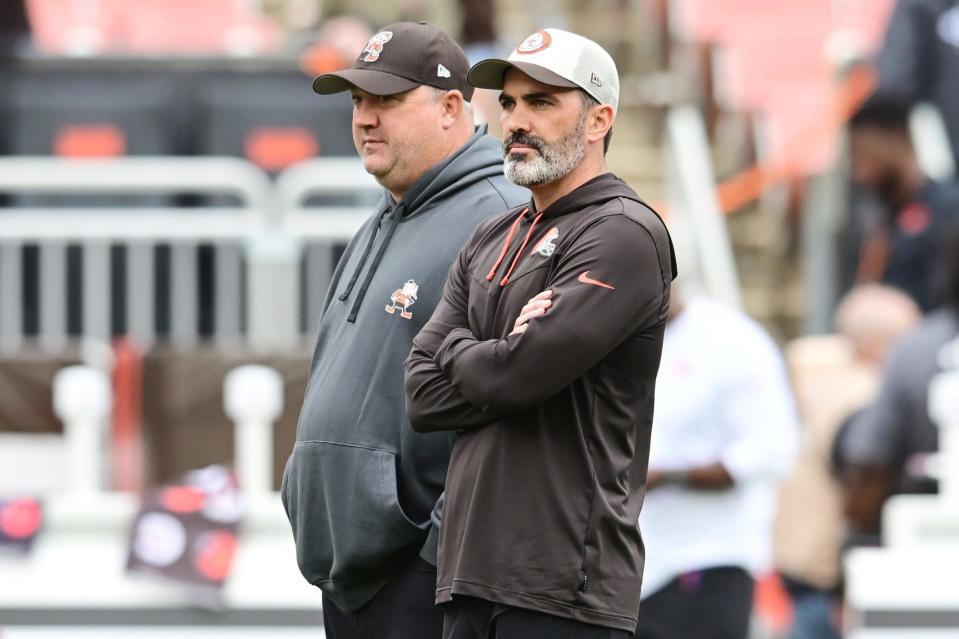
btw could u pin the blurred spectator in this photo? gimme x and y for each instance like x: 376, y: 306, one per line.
x: 337, y: 43
x: 478, y: 29
x: 900, y: 218
x: 724, y: 432
x: 478, y: 37
x: 301, y: 15
x: 14, y: 28
x: 885, y: 446
x: 920, y: 57
x: 832, y: 376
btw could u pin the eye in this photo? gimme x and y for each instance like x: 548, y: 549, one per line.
x: 387, y: 99
x: 506, y: 104
x: 356, y: 99
x: 540, y: 103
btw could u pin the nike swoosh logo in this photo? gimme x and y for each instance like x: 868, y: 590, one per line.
x: 585, y: 279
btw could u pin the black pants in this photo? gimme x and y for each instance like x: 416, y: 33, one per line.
x: 710, y: 604
x: 471, y: 618
x: 404, y: 609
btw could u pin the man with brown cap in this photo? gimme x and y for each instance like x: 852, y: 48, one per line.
x: 361, y: 488
x: 546, y: 347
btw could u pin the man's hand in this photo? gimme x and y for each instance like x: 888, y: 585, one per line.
x: 536, y: 307
x: 655, y: 479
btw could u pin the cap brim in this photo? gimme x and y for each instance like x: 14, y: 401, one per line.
x: 490, y: 74
x: 375, y: 82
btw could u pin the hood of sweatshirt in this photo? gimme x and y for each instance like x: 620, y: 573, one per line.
x: 594, y: 193
x: 479, y: 159
x: 599, y: 190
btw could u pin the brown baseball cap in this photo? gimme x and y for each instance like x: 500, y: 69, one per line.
x: 401, y: 57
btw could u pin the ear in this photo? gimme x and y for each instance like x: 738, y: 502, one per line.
x: 452, y: 106
x: 600, y: 122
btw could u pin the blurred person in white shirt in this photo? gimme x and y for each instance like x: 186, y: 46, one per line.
x: 724, y: 434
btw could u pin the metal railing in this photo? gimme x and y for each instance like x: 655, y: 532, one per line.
x: 265, y: 236
x: 303, y: 194
x: 703, y: 248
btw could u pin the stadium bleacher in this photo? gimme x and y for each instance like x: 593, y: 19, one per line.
x: 273, y: 119
x: 157, y: 79
x: 262, y: 111
x: 176, y: 27
x: 781, y: 61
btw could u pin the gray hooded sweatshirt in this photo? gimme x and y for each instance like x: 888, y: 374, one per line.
x: 361, y: 487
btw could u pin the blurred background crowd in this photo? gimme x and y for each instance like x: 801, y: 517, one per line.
x: 802, y: 151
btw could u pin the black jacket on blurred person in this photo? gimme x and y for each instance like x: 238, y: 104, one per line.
x: 361, y: 485
x: 900, y: 216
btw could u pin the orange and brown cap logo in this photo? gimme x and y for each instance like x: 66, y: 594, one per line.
x: 375, y: 46
x: 536, y: 42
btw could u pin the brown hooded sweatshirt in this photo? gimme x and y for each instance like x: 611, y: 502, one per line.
x: 547, y: 476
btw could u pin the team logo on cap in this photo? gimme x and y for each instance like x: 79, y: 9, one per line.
x: 375, y: 46
x: 536, y: 42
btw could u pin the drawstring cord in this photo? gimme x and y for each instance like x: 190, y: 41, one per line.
x: 394, y: 221
x: 519, y: 253
x: 366, y: 254
x: 509, y: 238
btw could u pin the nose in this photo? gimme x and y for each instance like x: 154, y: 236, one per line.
x: 515, y: 120
x: 364, y: 114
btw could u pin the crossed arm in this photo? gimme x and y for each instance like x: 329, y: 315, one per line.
x: 456, y: 381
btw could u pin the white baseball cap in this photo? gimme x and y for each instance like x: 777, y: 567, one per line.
x: 557, y: 58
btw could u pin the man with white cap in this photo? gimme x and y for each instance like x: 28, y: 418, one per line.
x: 544, y: 351
x: 362, y: 489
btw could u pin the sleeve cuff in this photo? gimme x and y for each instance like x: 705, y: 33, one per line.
x: 429, y: 550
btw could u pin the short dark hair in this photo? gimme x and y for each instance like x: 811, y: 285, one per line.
x: 885, y: 112
x: 589, y: 102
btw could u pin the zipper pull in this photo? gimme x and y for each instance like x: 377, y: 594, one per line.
x: 584, y: 580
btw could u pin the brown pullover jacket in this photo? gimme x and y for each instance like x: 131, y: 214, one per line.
x: 547, y: 476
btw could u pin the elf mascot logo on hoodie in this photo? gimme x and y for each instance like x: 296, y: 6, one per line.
x: 404, y: 298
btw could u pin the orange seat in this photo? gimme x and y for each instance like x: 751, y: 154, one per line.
x: 150, y: 27
x: 191, y: 26
x: 68, y: 26
x: 715, y: 22
x: 801, y: 135
x: 773, y: 60
x: 754, y: 70
x: 698, y: 20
